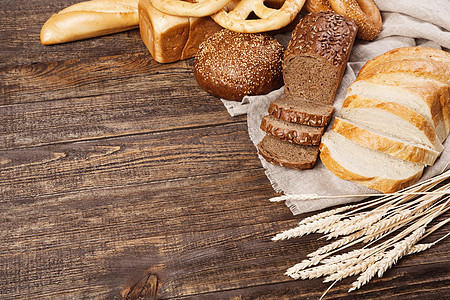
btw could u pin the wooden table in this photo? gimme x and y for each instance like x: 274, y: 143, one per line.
x: 119, y: 176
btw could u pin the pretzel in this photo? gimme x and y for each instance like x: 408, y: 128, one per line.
x: 364, y: 12
x: 197, y: 8
x: 234, y: 16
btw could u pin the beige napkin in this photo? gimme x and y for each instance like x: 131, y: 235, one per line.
x: 406, y: 23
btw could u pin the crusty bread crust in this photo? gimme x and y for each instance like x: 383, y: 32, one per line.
x: 290, y: 114
x: 172, y: 38
x: 384, y: 144
x: 384, y: 185
x: 90, y: 19
x: 401, y: 111
x: 301, y: 136
x: 438, y: 59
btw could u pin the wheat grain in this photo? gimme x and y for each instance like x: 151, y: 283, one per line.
x: 390, y: 258
x: 308, y: 228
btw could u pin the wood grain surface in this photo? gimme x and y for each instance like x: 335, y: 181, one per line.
x: 120, y: 178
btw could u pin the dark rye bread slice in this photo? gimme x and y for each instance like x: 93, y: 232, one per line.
x: 278, y: 152
x: 315, y: 59
x: 300, y: 111
x: 292, y: 132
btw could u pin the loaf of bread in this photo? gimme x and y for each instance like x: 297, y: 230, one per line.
x: 232, y: 65
x: 393, y: 121
x: 172, y: 38
x: 317, y: 55
x: 90, y: 19
x: 313, y: 66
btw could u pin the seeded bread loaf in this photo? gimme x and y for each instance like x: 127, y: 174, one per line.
x: 316, y: 57
x: 232, y: 65
x: 292, y: 132
x: 286, y: 154
x: 299, y: 111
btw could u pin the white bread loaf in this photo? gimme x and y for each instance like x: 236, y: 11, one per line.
x: 371, y: 168
x: 399, y: 148
x: 90, y: 19
x: 172, y: 38
x: 394, y: 120
x: 398, y: 121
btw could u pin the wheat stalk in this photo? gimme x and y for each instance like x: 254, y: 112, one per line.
x: 389, y: 225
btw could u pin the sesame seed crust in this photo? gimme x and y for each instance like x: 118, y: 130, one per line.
x: 231, y: 65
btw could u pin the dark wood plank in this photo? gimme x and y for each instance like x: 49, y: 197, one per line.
x: 20, y: 26
x: 186, y: 232
x: 124, y: 161
x: 124, y: 74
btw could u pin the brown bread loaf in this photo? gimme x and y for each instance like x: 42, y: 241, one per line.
x: 317, y: 54
x: 301, y: 111
x: 286, y: 154
x: 231, y: 65
x: 292, y: 132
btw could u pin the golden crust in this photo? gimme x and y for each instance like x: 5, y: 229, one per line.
x: 384, y: 144
x: 409, y: 53
x: 365, y: 14
x: 384, y: 185
x: 396, y: 109
x: 99, y: 17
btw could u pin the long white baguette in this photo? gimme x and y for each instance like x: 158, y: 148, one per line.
x: 90, y: 19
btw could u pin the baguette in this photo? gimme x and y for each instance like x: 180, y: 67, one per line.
x: 90, y: 19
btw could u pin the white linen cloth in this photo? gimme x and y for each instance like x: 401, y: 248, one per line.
x: 406, y: 23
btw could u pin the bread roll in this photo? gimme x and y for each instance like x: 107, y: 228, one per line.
x: 232, y: 65
x: 90, y: 19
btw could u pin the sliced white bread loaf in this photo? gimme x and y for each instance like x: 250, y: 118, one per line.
x: 427, y: 97
x: 371, y: 168
x: 399, y: 148
x: 391, y: 119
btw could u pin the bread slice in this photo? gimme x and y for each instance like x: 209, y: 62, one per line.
x: 398, y: 121
x: 292, y: 132
x: 286, y: 154
x: 377, y: 141
x: 300, y: 111
x: 370, y: 168
x: 429, y: 98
